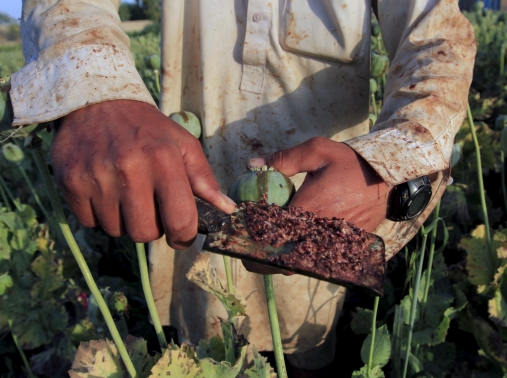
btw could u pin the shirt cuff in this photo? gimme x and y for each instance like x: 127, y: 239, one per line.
x: 398, y: 154
x: 44, y: 91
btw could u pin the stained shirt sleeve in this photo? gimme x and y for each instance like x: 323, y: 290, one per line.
x: 432, y: 48
x: 76, y: 55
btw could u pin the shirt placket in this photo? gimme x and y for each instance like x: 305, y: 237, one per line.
x: 258, y: 25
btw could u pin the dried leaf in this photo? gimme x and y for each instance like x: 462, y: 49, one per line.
x: 138, y: 352
x: 206, y: 277
x: 497, y: 308
x: 261, y: 368
x: 482, y: 264
x: 489, y: 341
x: 174, y: 363
x: 97, y: 358
x: 233, y: 342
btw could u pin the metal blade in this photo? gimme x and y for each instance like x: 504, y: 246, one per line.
x: 233, y: 240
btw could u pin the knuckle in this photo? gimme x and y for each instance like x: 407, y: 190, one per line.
x: 128, y: 166
x: 161, y: 154
x: 182, y: 230
x: 146, y: 236
x: 316, y: 142
x: 84, y: 220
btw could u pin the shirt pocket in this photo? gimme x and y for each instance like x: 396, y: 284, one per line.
x: 336, y: 30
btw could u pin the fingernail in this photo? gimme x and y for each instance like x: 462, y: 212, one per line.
x: 257, y: 162
x: 228, y: 200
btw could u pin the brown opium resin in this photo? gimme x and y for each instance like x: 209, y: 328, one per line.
x: 327, y: 246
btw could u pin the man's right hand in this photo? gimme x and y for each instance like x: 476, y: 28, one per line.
x: 127, y: 167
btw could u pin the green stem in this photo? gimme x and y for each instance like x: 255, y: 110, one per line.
x: 9, y: 193
x: 20, y: 350
x: 228, y: 274
x: 413, y: 309
x: 78, y: 256
x: 504, y: 191
x: 479, y: 173
x: 145, y: 280
x: 34, y: 193
x: 374, y: 104
x: 397, y: 336
x: 124, y: 325
x: 4, y: 198
x: 373, y: 334
x: 430, y: 260
x: 157, y: 80
x: 275, y: 327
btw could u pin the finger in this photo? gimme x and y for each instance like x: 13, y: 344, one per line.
x: 77, y: 196
x: 176, y: 203
x: 105, y: 201
x: 305, y: 157
x: 82, y: 210
x: 108, y: 213
x: 140, y: 214
x: 202, y: 181
x: 263, y: 269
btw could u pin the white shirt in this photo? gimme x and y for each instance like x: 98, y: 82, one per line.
x: 265, y: 75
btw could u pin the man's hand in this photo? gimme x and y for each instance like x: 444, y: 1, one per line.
x: 127, y: 167
x: 339, y: 183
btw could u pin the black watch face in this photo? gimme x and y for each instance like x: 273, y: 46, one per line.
x: 419, y: 202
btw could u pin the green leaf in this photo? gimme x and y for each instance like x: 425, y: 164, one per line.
x: 481, y: 263
x: 5, y: 248
x: 432, y: 336
x: 5, y: 282
x: 261, y: 368
x: 34, y: 322
x: 23, y: 241
x: 361, y: 321
x: 381, y: 348
x: 376, y: 372
x: 214, y: 349
x: 27, y: 215
x: 223, y: 369
x: 49, y: 273
x: 406, y: 305
x: 97, y: 358
x: 438, y: 359
x: 138, y: 352
x: 436, y: 305
x: 489, y: 341
x: 497, y: 308
x: 10, y: 220
x: 174, y: 363
x: 82, y: 331
x: 233, y: 342
x: 461, y: 299
x: 206, y: 277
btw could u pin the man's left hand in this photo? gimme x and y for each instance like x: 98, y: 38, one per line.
x: 339, y: 183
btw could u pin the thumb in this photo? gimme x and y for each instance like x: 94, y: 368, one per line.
x: 305, y: 157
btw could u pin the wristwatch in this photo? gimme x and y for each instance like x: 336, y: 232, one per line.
x: 410, y: 199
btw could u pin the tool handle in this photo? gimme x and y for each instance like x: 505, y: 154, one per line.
x: 211, y: 219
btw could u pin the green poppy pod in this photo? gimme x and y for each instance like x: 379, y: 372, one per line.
x: 12, y: 153
x: 278, y: 188
x: 189, y: 121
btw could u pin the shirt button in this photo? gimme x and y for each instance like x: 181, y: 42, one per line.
x: 257, y: 17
